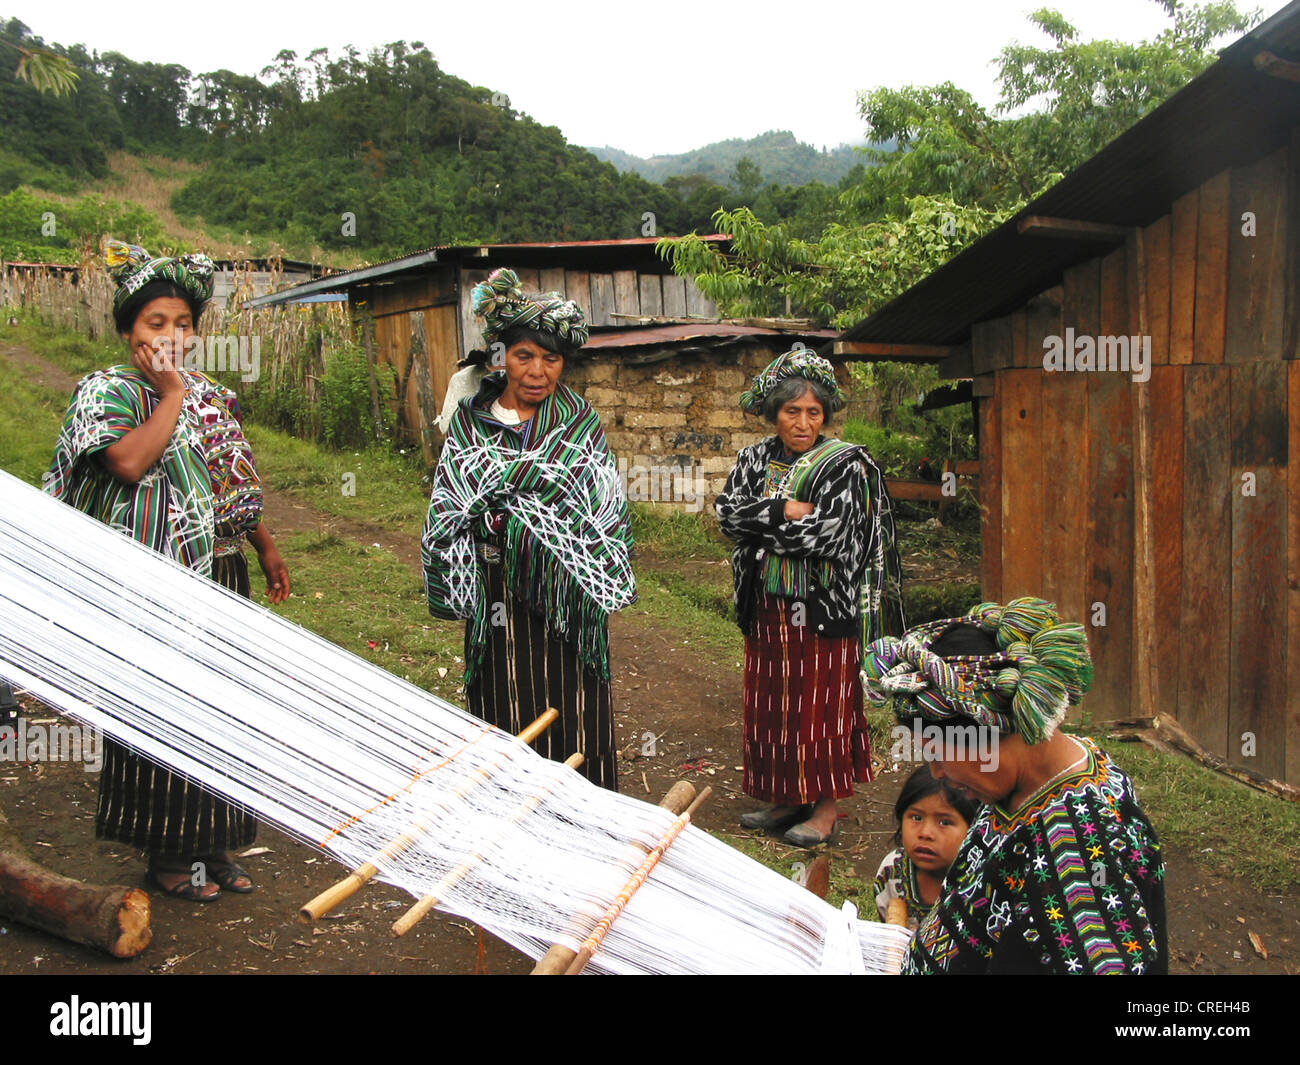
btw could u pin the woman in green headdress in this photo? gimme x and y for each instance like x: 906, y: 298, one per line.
x: 528, y: 535
x: 1061, y: 870
x: 157, y: 452
x: 815, y: 572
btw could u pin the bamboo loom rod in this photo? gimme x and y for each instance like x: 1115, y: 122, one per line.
x: 409, y: 919
x: 556, y: 961
x: 634, y: 883
x: 365, y: 872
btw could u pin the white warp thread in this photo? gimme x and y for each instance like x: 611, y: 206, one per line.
x: 310, y: 736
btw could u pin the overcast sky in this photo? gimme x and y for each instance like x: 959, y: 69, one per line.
x: 653, y: 78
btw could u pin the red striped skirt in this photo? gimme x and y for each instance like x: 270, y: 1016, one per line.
x: 805, y: 730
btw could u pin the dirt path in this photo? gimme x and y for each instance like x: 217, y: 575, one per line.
x: 687, y: 700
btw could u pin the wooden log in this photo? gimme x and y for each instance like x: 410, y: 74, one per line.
x: 114, y: 919
x: 556, y: 961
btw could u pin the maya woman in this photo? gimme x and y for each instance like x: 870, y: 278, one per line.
x: 815, y: 571
x: 157, y: 453
x: 1061, y: 870
x: 528, y: 536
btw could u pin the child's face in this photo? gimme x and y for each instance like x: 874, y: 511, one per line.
x: 932, y: 833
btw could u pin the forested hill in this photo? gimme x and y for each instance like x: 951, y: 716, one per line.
x: 779, y: 157
x: 370, y: 155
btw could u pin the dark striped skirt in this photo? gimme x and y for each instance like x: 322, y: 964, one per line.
x: 148, y: 806
x: 526, y: 669
x: 805, y: 730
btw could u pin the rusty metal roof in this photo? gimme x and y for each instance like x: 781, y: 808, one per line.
x: 1230, y: 115
x: 646, y: 336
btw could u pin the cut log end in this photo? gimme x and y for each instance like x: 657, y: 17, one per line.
x: 134, y: 932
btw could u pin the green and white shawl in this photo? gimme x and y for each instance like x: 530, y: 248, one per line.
x: 567, y: 535
x: 203, y: 480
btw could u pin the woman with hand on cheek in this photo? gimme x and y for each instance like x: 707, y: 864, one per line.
x: 157, y: 452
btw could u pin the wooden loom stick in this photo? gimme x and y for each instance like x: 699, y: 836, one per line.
x: 896, y: 912
x: 365, y: 872
x: 556, y: 961
x: 638, y: 878
x: 409, y: 919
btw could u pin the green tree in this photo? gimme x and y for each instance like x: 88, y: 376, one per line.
x: 955, y: 170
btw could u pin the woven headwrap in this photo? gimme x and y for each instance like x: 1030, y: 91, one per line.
x: 797, y: 362
x: 1042, y: 667
x: 132, y: 268
x: 502, y: 304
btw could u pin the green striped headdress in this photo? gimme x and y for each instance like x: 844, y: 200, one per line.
x: 133, y: 268
x: 503, y: 304
x: 797, y: 362
x: 1041, y: 668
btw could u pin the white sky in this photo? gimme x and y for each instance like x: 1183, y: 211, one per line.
x: 655, y: 78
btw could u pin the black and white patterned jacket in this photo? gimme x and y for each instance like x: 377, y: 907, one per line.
x: 837, y: 530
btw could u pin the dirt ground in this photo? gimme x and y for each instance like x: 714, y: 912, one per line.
x: 687, y: 699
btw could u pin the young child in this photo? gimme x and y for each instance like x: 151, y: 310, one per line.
x: 932, y: 822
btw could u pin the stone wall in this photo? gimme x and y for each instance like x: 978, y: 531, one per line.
x: 676, y: 425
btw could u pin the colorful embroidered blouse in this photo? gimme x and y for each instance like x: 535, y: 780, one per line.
x: 1072, y: 882
x: 201, y: 497
x: 896, y: 879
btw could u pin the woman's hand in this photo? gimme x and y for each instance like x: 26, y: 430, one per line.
x: 130, y: 458
x: 268, y: 556
x: 794, y: 509
x: 158, y: 364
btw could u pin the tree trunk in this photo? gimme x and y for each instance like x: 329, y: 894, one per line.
x: 113, y: 919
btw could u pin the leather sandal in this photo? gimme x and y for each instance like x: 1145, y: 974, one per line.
x: 185, y: 888
x: 228, y: 873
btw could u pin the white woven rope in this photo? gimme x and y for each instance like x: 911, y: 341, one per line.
x: 344, y: 755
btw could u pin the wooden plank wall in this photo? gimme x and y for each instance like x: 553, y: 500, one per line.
x: 1212, y: 443
x: 600, y: 295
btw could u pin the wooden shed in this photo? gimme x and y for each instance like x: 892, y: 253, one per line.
x: 1156, y: 499
x: 419, y: 304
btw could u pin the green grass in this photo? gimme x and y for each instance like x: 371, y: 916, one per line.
x: 31, y: 417
x: 793, y: 863
x: 356, y: 596
x: 76, y: 354
x: 376, y: 486
x: 672, y: 532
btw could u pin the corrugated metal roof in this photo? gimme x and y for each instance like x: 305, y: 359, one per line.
x: 593, y: 254
x: 1230, y: 115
